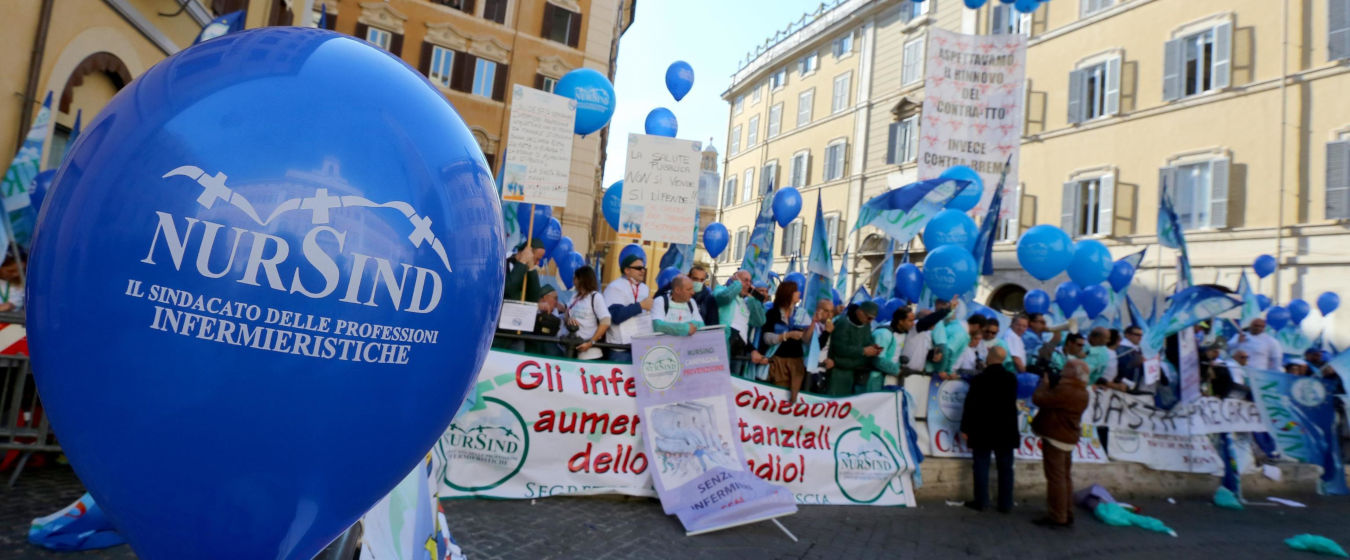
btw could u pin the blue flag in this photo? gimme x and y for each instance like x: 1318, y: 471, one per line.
x: 886, y: 274
x: 1186, y: 308
x: 1251, y: 305
x: 841, y: 280
x: 1170, y: 233
x: 1301, y: 415
x: 860, y: 296
x: 819, y: 268
x: 902, y: 213
x: 223, y: 25
x: 792, y: 265
x: 984, y: 241
x: 1135, y: 259
x: 1136, y: 317
x: 323, y: 16
x: 759, y: 250
x: 27, y: 163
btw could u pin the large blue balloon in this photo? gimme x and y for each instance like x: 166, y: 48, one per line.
x: 1026, y: 6
x: 564, y: 248
x: 970, y: 196
x: 1298, y: 310
x: 796, y: 278
x: 1026, y: 385
x: 787, y: 205
x: 594, y: 95
x: 279, y: 259
x: 1264, y: 265
x: 1328, y: 302
x: 1122, y: 273
x: 1263, y: 301
x: 41, y: 183
x: 632, y: 249
x: 950, y: 227
x: 567, y: 268
x: 1066, y: 297
x: 715, y: 238
x: 1277, y: 317
x: 1044, y: 251
x: 949, y: 270
x: 542, y: 214
x: 908, y: 282
x: 1094, y: 299
x: 679, y: 79
x: 667, y: 274
x: 1036, y: 301
x: 1091, y: 263
x: 885, y: 313
x: 611, y: 204
x: 551, y: 235
x: 661, y: 122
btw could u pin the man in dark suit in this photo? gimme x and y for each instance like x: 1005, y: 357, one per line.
x: 989, y: 424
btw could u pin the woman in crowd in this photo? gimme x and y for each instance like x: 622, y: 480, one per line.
x: 785, y: 341
x: 588, y: 314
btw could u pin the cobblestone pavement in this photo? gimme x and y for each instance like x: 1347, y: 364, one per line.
x: 611, y: 527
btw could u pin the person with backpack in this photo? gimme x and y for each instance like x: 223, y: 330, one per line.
x: 588, y: 315
x: 674, y: 313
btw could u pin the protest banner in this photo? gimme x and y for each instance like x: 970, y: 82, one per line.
x: 660, y: 189
x: 698, y: 466
x: 550, y: 426
x: 1205, y: 415
x: 972, y: 109
x: 1300, y: 414
x: 946, y: 402
x: 1189, y: 454
x: 540, y: 137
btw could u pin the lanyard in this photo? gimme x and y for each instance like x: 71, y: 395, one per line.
x: 5, y: 296
x: 635, y: 291
x: 575, y: 301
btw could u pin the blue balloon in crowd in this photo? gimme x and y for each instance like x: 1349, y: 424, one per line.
x: 568, y: 263
x: 880, y: 301
x: 1264, y: 266
x: 542, y: 214
x: 949, y: 270
x: 1026, y: 384
x: 1277, y: 318
x: 796, y: 278
x: 1066, y: 297
x: 1091, y: 263
x: 679, y: 79
x: 563, y: 248
x: 950, y: 227
x: 970, y: 196
x: 1094, y: 299
x: 1044, y: 251
x: 888, y: 311
x: 551, y: 235
x: 632, y: 249
x: 715, y: 238
x: 594, y: 95
x: 1122, y: 273
x: 612, y: 203
x: 838, y: 299
x: 1298, y: 310
x: 41, y: 182
x: 198, y: 176
x: 1263, y: 301
x: 667, y: 274
x: 974, y: 4
x: 908, y: 282
x: 1328, y: 302
x: 661, y: 122
x: 787, y: 205
x: 1026, y: 6
x: 1036, y: 301
x: 768, y: 305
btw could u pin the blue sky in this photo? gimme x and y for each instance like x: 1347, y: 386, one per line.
x: 713, y: 37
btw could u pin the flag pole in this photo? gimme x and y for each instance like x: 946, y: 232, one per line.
x: 529, y: 238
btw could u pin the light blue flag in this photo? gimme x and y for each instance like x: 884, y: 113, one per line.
x: 1136, y: 317
x: 860, y: 296
x: 841, y: 281
x: 1170, y: 233
x: 223, y: 25
x: 759, y: 250
x: 792, y: 265
x: 886, y: 274
x: 984, y: 241
x: 902, y: 213
x: 819, y: 268
x: 1251, y: 305
x: 1186, y: 308
x: 1136, y: 259
x: 26, y: 165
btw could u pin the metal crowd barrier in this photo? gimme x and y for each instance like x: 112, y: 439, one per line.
x: 24, y: 428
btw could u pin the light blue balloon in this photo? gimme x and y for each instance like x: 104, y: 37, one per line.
x: 1328, y: 302
x: 787, y: 205
x: 1298, y: 310
x: 611, y: 204
x: 667, y: 274
x: 908, y: 282
x: 679, y: 79
x: 1036, y: 301
x: 974, y: 4
x: 797, y: 278
x: 632, y: 249
x: 227, y: 430
x: 949, y: 270
x: 1091, y: 263
x: 1044, y: 251
x: 594, y: 95
x: 950, y: 227
x: 715, y: 239
x: 1263, y: 301
x: 1066, y: 297
x: 1094, y: 299
x: 970, y: 196
x: 661, y: 122
x: 551, y: 235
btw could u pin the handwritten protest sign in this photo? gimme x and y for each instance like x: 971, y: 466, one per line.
x: 540, y: 140
x: 660, y: 189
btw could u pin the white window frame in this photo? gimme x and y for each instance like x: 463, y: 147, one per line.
x: 1337, y: 206
x: 1088, y: 7
x: 1009, y: 226
x: 729, y: 192
x: 839, y: 100
x: 768, y: 177
x: 1338, y: 29
x: 778, y: 79
x: 806, y: 101
x: 550, y: 84
x: 742, y: 239
x: 775, y: 121
x: 1214, y: 196
x: 793, y: 237
x: 442, y: 62
x: 1094, y: 88
x: 911, y: 66
x: 834, y: 170
x: 752, y: 132
x: 842, y: 46
x: 800, y: 172
x: 915, y: 10
x: 483, y: 78
x: 1186, y: 52
x: 379, y: 37
x: 1005, y: 20
x: 906, y: 141
x: 809, y: 64
x: 1091, y: 203
x: 833, y: 233
x: 756, y: 93
x: 739, y: 105
x: 748, y: 192
x: 735, y: 144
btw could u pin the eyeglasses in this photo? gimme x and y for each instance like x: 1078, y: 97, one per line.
x: 637, y: 268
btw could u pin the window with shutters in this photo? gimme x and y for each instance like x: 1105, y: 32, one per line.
x: 1008, y: 225
x: 805, y: 100
x: 902, y: 141
x: 778, y: 79
x: 793, y: 236
x: 735, y: 140
x: 1004, y: 20
x: 729, y: 195
x: 834, y: 160
x: 752, y: 132
x: 1338, y: 29
x: 910, y: 11
x: 742, y: 238
x: 768, y: 178
x: 465, y: 6
x: 801, y: 169
x: 755, y: 94
x: 561, y: 25
x: 809, y: 64
x: 1338, y: 180
x: 1199, y: 62
x: 1199, y: 192
x: 842, y: 46
x: 495, y: 10
x: 832, y: 233
x: 839, y: 101
x: 749, y: 183
x: 379, y: 37
x: 442, y: 62
x: 775, y: 120
x: 546, y: 83
x: 1089, y: 7
x: 1094, y: 91
x: 739, y: 105
x: 484, y: 74
x: 1088, y: 206
x: 911, y: 69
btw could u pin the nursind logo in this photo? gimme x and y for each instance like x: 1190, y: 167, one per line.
x: 407, y: 287
x: 493, y: 442
x: 660, y: 368
x: 864, y: 467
